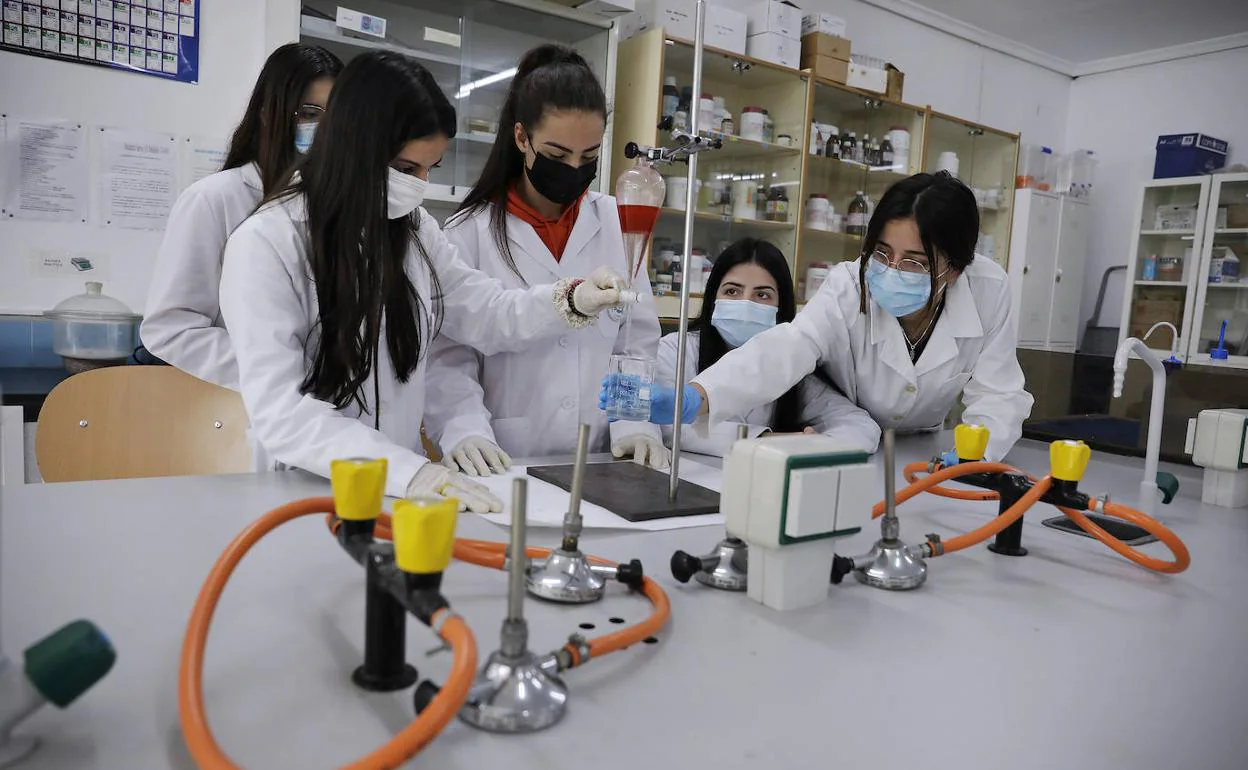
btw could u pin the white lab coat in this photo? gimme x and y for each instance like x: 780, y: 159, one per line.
x: 183, y: 325
x: 531, y: 403
x: 823, y: 409
x: 268, y: 300
x: 971, y: 352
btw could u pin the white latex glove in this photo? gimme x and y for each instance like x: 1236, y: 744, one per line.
x: 434, y: 480
x: 476, y: 456
x: 604, y: 288
x: 645, y: 450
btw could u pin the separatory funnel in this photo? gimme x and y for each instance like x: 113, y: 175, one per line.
x: 639, y: 193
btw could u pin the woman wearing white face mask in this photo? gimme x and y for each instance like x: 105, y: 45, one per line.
x: 333, y: 290
x: 753, y: 290
x: 183, y: 322
x: 919, y: 321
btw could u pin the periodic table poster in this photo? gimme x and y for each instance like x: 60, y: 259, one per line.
x: 152, y: 37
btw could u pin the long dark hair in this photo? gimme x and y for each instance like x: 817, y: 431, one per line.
x: 266, y: 134
x: 786, y: 418
x: 357, y: 255
x: 548, y: 77
x: 947, y: 217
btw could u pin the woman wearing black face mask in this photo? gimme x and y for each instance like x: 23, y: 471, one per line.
x: 530, y: 220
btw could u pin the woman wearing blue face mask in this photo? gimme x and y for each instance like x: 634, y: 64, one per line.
x: 753, y: 291
x: 183, y: 323
x: 917, y: 322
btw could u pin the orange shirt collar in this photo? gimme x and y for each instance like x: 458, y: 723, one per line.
x: 553, y: 232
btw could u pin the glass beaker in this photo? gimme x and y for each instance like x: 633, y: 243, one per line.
x: 629, y: 383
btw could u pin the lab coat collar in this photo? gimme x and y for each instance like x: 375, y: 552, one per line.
x: 251, y: 176
x: 524, y: 238
x: 960, y: 318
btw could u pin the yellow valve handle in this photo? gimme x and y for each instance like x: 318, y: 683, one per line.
x: 1069, y: 459
x: 970, y: 442
x: 359, y: 485
x: 424, y: 534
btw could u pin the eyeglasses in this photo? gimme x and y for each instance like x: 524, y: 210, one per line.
x: 905, y: 265
x: 308, y: 113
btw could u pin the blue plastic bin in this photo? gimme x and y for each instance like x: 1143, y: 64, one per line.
x: 1188, y: 155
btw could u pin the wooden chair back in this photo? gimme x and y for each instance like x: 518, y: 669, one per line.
x: 140, y: 421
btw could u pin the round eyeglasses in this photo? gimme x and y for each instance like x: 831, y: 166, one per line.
x: 905, y: 265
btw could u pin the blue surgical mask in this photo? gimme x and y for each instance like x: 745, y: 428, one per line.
x: 304, y: 132
x: 900, y: 294
x: 738, y: 320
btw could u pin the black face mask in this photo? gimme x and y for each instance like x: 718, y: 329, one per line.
x: 558, y: 182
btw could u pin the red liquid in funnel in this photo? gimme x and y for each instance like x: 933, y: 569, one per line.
x: 638, y: 220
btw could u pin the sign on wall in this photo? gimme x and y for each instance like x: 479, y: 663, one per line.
x: 152, y: 37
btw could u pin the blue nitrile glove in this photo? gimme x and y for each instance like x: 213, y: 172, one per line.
x: 949, y: 459
x: 662, y: 402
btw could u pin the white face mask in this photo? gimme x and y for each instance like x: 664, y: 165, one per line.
x: 404, y: 193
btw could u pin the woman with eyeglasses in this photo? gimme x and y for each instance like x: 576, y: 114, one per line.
x: 333, y: 290
x: 183, y: 322
x: 916, y: 322
x: 752, y: 290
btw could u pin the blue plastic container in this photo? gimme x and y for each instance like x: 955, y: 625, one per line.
x: 1188, y: 155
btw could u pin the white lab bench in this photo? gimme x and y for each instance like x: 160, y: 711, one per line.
x: 1070, y: 657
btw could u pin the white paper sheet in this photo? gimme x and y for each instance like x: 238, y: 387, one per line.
x: 137, y: 180
x: 200, y: 158
x: 48, y: 170
x: 547, y: 503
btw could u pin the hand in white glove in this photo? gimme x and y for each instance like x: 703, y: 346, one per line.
x: 437, y: 481
x: 476, y: 456
x: 604, y: 288
x: 645, y: 450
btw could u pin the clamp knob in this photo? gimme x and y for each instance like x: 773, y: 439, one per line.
x: 424, y: 534
x: 970, y: 442
x: 685, y: 565
x: 359, y: 485
x: 1069, y: 459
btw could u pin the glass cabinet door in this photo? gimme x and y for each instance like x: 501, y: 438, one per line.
x: 1164, y: 272
x: 857, y: 143
x: 986, y: 160
x: 748, y: 187
x: 471, y: 48
x: 1222, y: 290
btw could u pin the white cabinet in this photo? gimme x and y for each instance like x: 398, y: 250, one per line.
x: 1050, y: 244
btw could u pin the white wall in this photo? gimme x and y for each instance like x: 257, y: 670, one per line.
x: 1119, y: 116
x: 954, y: 75
x: 231, y: 52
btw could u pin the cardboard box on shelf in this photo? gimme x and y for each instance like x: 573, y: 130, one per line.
x: 874, y: 79
x: 827, y: 67
x: 816, y: 44
x: 1175, y: 217
x: 1188, y: 155
x: 1237, y: 215
x: 824, y: 24
x: 775, y: 48
x: 778, y: 16
x: 896, y: 83
x: 725, y: 28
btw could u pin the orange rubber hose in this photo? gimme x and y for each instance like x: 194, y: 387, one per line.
x: 1182, y: 559
x: 998, y: 523
x: 928, y: 483
x: 204, y: 749
x: 913, y: 470
x: 485, y: 553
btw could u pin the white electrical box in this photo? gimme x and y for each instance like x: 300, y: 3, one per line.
x: 1218, y: 439
x: 358, y: 23
x: 788, y: 498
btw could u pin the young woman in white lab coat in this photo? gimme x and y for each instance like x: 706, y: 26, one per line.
x: 530, y: 220
x: 916, y: 322
x: 333, y: 289
x: 748, y: 291
x: 183, y: 322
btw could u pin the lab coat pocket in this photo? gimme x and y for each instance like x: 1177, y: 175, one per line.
x: 513, y: 435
